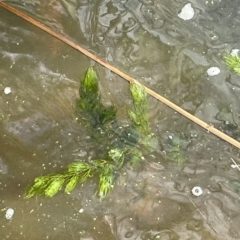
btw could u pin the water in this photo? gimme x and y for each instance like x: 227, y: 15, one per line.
x: 39, y: 132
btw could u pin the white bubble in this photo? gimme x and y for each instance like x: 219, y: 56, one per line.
x: 7, y: 90
x: 187, y: 12
x: 9, y: 213
x: 213, y: 71
x: 197, y: 191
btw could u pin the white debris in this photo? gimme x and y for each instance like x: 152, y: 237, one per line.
x: 7, y: 90
x: 197, y: 191
x: 81, y: 210
x: 234, y: 166
x: 187, y: 12
x: 213, y: 71
x: 235, y: 52
x: 9, y: 213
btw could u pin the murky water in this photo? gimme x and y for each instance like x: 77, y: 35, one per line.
x: 39, y: 132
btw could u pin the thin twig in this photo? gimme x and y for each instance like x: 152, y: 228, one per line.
x: 178, y: 109
x: 235, y: 164
x: 203, y: 216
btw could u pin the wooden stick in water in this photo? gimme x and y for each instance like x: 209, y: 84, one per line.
x: 176, y: 108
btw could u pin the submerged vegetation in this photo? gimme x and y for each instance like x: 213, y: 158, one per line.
x: 232, y: 61
x: 89, y: 106
x: 176, y: 148
x: 132, y: 142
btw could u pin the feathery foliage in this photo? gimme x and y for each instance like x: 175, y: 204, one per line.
x: 232, y: 61
x: 134, y: 141
x: 176, y: 149
x: 89, y: 105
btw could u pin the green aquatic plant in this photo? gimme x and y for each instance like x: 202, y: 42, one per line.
x: 89, y: 105
x: 138, y: 113
x: 176, y: 148
x: 76, y: 172
x: 232, y: 61
x: 132, y: 141
x: 138, y: 116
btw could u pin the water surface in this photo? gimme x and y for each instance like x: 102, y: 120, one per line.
x: 147, y: 40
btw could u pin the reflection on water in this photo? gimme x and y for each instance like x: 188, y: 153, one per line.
x: 39, y: 133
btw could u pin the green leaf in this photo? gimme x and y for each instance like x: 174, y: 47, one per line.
x: 232, y: 61
x: 54, y: 185
x: 71, y: 183
x: 99, y: 163
x: 89, y: 106
x: 149, y: 143
x: 176, y: 149
x: 117, y: 155
x: 139, y: 95
x: 50, y: 184
x: 106, y: 181
x: 81, y: 169
x: 89, y: 86
x: 38, y: 187
x: 78, y: 167
x: 138, y: 113
x: 136, y: 156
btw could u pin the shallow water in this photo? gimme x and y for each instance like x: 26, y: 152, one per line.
x: 146, y: 39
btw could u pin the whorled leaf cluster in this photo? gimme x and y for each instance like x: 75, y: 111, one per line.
x: 135, y: 141
x: 232, y: 61
x: 89, y: 106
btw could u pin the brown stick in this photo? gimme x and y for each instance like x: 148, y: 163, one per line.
x: 194, y: 119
